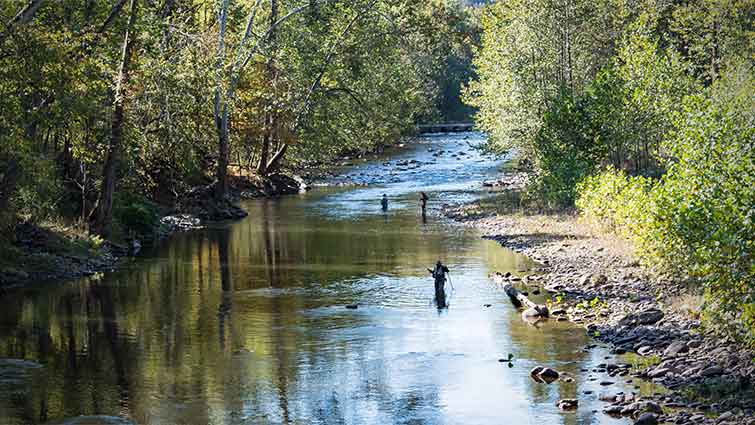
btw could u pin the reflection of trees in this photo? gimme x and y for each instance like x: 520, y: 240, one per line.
x: 224, y: 309
x: 268, y: 235
x: 118, y: 352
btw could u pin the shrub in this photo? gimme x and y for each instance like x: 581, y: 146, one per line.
x: 698, y: 221
x: 565, y: 151
x: 136, y: 214
x: 618, y: 203
x: 705, y: 212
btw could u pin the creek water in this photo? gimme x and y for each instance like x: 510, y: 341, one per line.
x: 246, y: 322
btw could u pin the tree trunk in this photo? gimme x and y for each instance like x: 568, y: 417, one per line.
x: 221, y: 108
x: 105, y: 207
x: 10, y: 174
x: 221, y: 173
x: 520, y: 300
x: 270, y: 124
x: 275, y: 161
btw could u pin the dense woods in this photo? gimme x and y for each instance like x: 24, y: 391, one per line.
x: 642, y: 112
x: 111, y: 109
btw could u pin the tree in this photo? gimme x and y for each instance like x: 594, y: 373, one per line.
x: 105, y: 206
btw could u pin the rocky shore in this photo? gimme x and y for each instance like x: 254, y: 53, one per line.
x: 653, y: 326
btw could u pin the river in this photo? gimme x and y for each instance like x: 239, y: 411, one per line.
x: 246, y: 322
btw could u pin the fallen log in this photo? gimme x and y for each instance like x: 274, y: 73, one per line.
x: 520, y: 300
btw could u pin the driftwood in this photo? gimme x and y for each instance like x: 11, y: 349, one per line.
x: 520, y: 300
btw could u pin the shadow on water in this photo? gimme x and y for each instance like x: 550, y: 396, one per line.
x: 247, y: 322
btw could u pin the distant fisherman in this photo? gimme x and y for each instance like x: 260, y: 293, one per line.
x: 423, y: 201
x: 384, y: 202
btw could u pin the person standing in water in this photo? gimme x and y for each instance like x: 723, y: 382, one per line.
x: 440, y: 282
x: 384, y: 202
x: 423, y: 204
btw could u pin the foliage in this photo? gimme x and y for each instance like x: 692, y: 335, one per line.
x: 338, y: 76
x: 532, y: 51
x: 703, y: 222
x: 642, y: 113
x: 697, y: 221
x: 617, y: 202
x: 564, y: 150
x: 136, y: 214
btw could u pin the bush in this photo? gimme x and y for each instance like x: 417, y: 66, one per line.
x: 136, y: 214
x: 618, y: 203
x: 705, y: 207
x: 565, y: 151
x: 698, y: 221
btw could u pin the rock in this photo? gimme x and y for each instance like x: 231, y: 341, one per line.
x: 646, y: 419
x: 651, y: 316
x: 647, y: 317
x: 658, y: 372
x: 711, y: 371
x: 676, y: 348
x: 352, y: 306
x: 613, y: 410
x: 548, y: 375
x: 726, y: 417
x: 598, y: 279
x: 645, y: 350
x: 567, y: 404
x: 649, y: 406
x: 606, y: 383
x: 535, y: 373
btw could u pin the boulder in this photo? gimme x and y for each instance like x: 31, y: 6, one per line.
x: 647, y: 317
x: 567, y: 404
x: 711, y: 371
x: 535, y: 373
x: 658, y: 372
x: 725, y: 417
x: 646, y: 419
x: 548, y: 375
x: 676, y: 348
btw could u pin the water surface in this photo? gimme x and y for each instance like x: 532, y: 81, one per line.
x: 245, y: 322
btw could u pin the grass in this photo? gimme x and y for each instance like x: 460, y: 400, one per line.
x: 640, y: 363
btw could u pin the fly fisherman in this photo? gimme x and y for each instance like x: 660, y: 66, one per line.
x: 439, y: 273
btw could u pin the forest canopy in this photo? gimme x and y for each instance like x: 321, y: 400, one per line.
x: 108, y: 104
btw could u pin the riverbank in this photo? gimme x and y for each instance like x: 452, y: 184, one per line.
x: 53, y: 251
x: 602, y: 287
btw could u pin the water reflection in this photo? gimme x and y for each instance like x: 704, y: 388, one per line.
x: 246, y: 323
